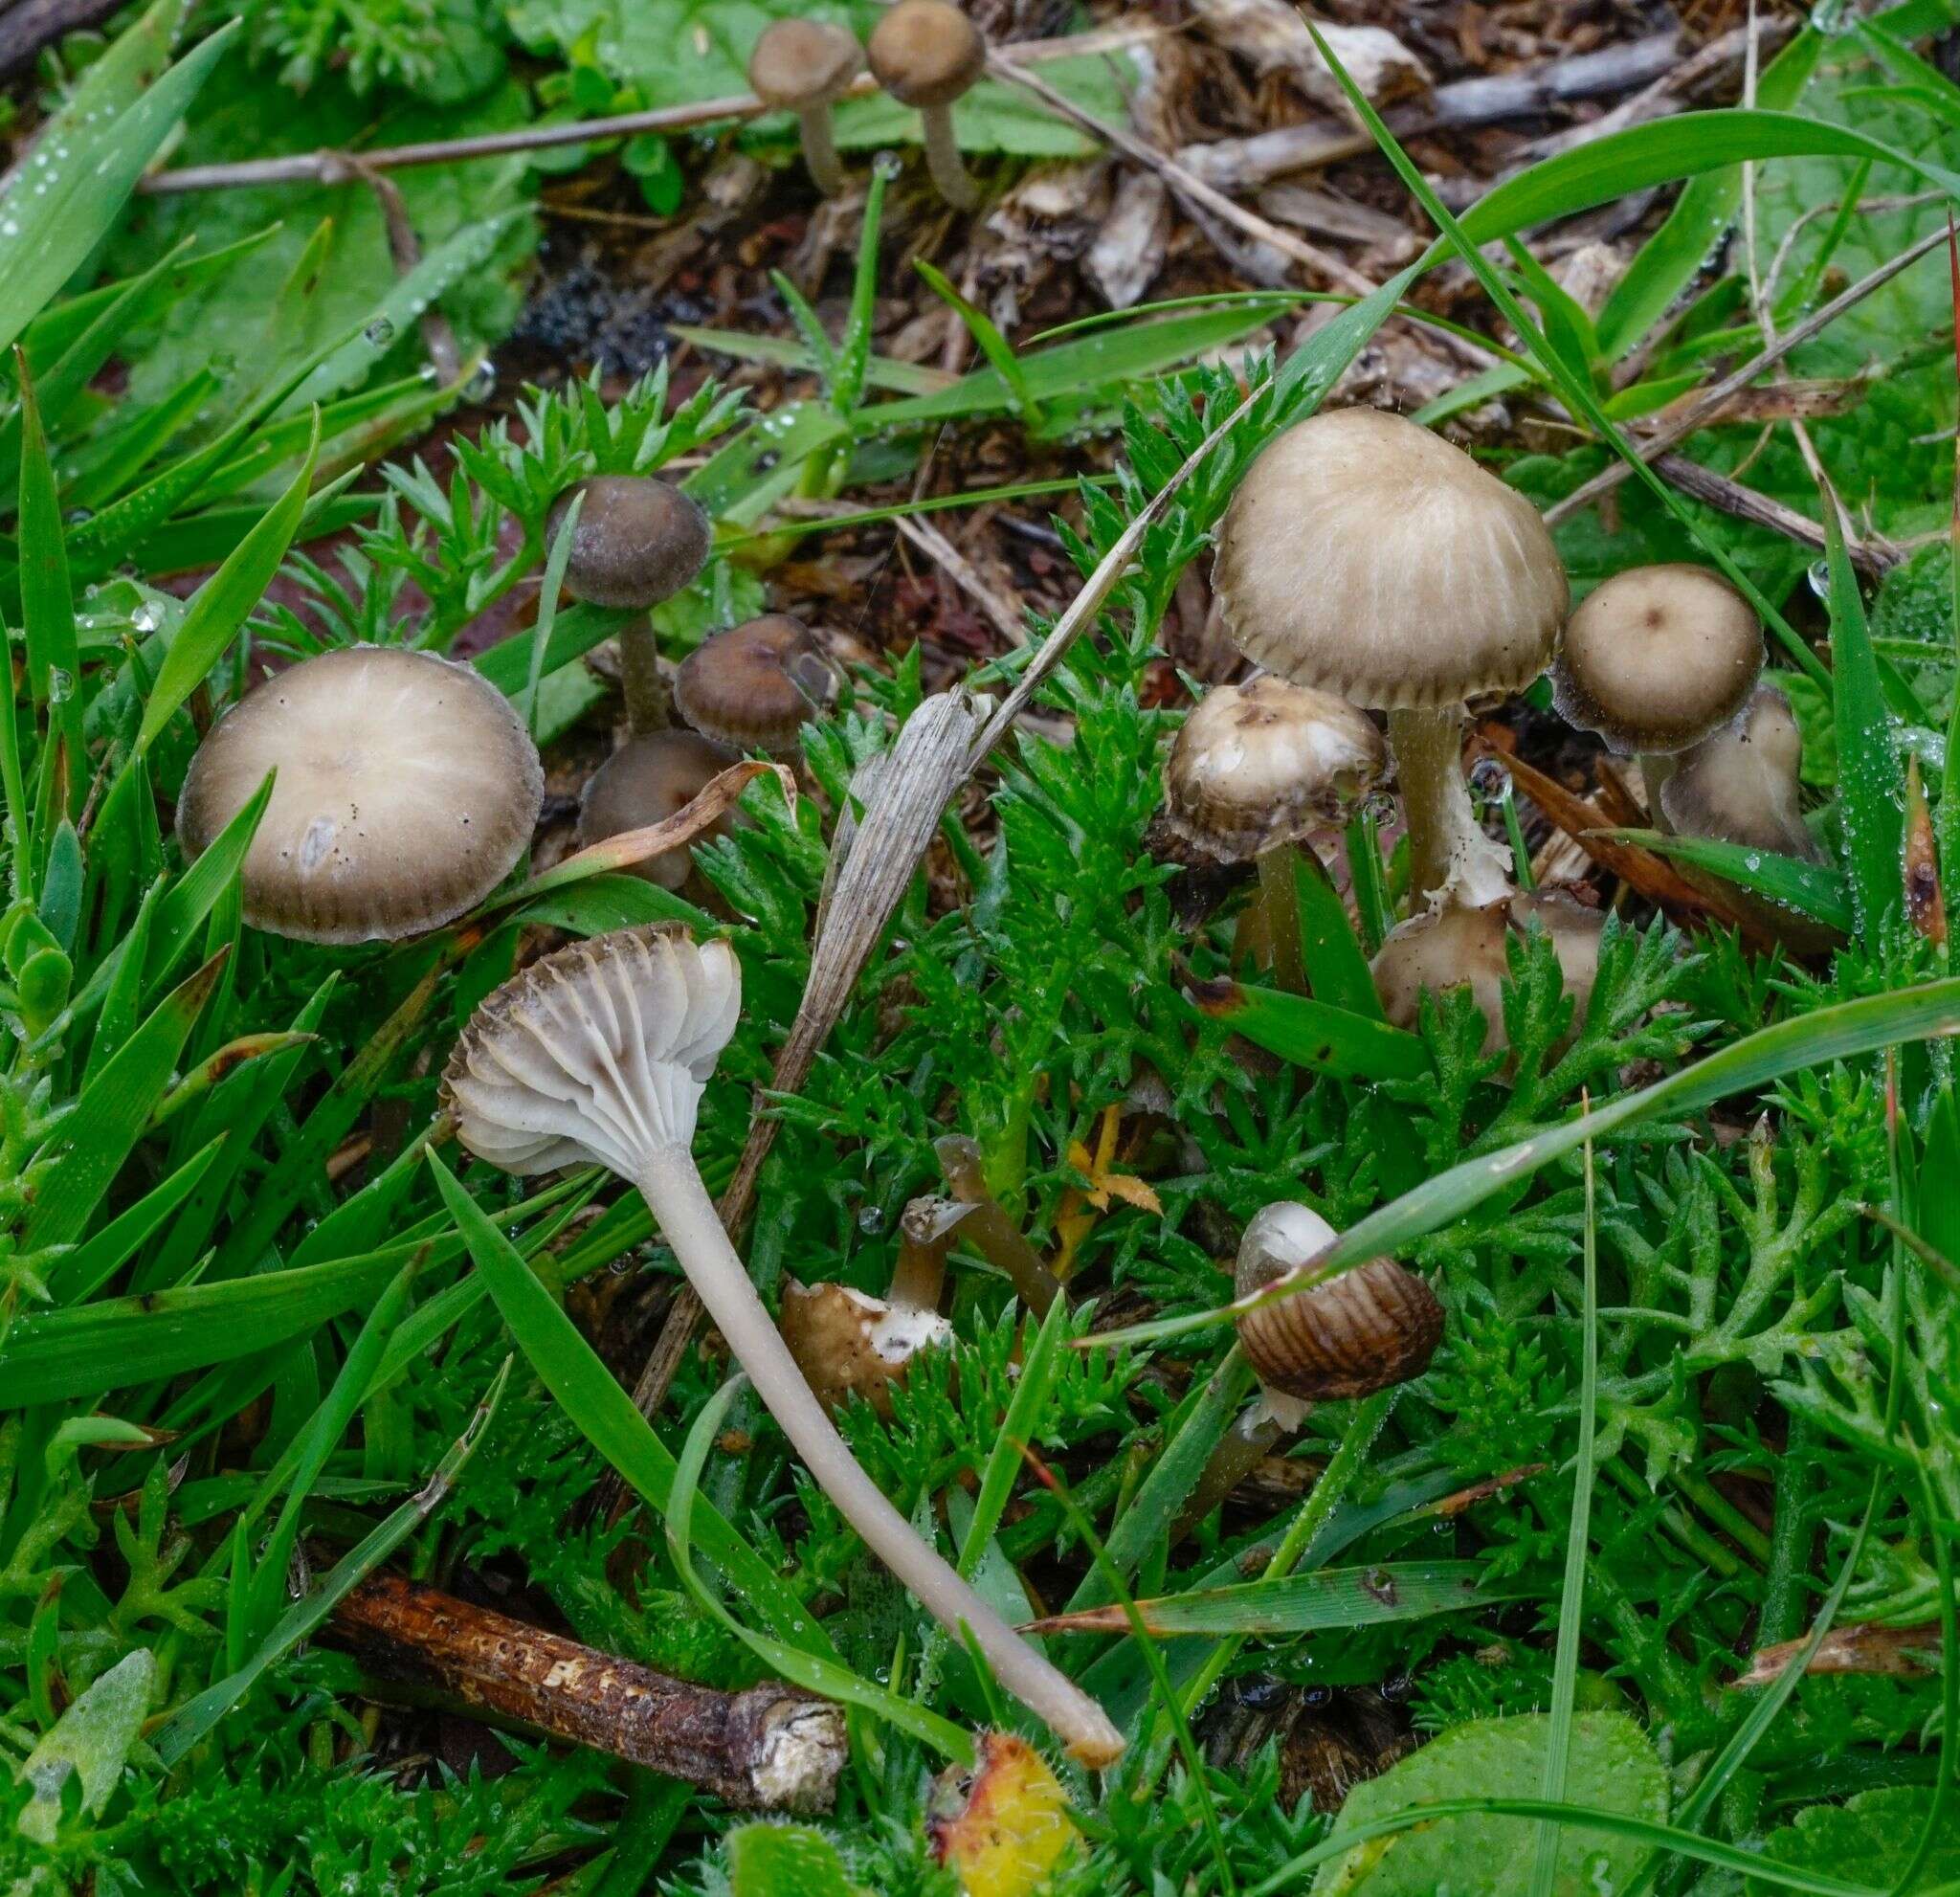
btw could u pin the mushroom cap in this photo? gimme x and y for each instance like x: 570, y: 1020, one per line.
x: 407, y: 789
x: 1741, y: 782
x: 1658, y: 658
x: 800, y: 64
x: 596, y: 1053
x: 753, y: 685
x: 1362, y: 554
x: 1259, y: 764
x: 847, y: 1344
x: 1374, y: 1325
x: 638, y: 541
x: 1459, y: 946
x: 646, y: 781
x: 925, y: 53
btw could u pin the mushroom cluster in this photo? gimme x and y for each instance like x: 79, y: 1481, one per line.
x: 925, y: 53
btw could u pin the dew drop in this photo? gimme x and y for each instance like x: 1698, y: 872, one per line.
x: 380, y: 333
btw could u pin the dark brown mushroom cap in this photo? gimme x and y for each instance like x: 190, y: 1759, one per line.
x: 1741, y: 784
x: 1363, y: 554
x: 1259, y: 764
x: 638, y: 541
x: 925, y: 53
x: 1658, y: 658
x: 1375, y: 1324
x: 1459, y: 946
x: 800, y: 64
x: 646, y: 781
x: 755, y: 684
x: 407, y: 789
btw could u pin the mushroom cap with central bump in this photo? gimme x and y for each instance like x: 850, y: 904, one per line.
x: 925, y: 53
x: 638, y: 541
x: 596, y: 1053
x: 1372, y: 1326
x: 1363, y: 555
x: 407, y: 789
x: 1259, y: 764
x: 1658, y: 658
x: 755, y: 684
x: 647, y: 780
x: 798, y: 65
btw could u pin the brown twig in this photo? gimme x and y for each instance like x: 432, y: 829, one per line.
x: 29, y: 25
x: 337, y: 168
x: 766, y: 1747
x: 1873, y: 556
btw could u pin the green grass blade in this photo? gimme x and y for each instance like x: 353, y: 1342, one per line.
x: 1312, y: 1034
x: 47, y: 599
x: 1850, y: 1029
x: 1019, y: 1427
x: 1337, y: 966
x: 1816, y: 890
x: 814, y: 1674
x: 79, y: 1275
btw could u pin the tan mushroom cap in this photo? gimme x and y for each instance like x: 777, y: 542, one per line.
x: 1259, y: 764
x: 925, y: 53
x: 407, y: 789
x: 1742, y: 783
x: 1375, y: 1324
x: 800, y: 64
x: 753, y: 685
x: 847, y: 1344
x: 646, y: 781
x: 638, y: 541
x: 1658, y: 658
x: 1362, y: 554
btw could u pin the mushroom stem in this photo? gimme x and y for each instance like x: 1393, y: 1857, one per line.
x: 1280, y: 902
x: 1655, y: 768
x: 993, y: 1234
x: 649, y: 705
x: 673, y: 1191
x: 1450, y: 857
x: 956, y: 184
x: 1246, y: 1445
x: 820, y: 151
x: 918, y: 1276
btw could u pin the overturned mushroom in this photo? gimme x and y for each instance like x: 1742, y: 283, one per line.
x: 1363, y: 555
x: 645, y: 782
x: 598, y: 1054
x: 407, y: 789
x: 639, y: 541
x: 1469, y: 947
x: 1375, y: 1324
x: 1251, y: 771
x: 755, y: 685
x: 1656, y: 659
x: 805, y: 67
x: 926, y: 54
x: 850, y: 1343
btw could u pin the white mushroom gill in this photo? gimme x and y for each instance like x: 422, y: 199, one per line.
x: 599, y: 1053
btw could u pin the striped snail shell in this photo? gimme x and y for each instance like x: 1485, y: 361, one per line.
x: 1375, y: 1324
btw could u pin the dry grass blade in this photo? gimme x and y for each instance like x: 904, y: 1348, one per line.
x: 1899, y: 1653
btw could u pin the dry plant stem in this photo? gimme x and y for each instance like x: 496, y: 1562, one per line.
x: 767, y: 1747
x: 1872, y: 555
x: 1279, y: 904
x: 29, y: 26
x: 956, y: 184
x: 674, y: 1193
x: 648, y: 705
x: 820, y: 151
x: 993, y: 1234
x: 1449, y: 855
x: 1697, y: 413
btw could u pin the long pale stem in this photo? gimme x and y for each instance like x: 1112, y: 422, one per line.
x: 647, y: 705
x: 820, y: 151
x: 1280, y: 902
x: 673, y: 1193
x: 956, y: 184
x: 1450, y: 857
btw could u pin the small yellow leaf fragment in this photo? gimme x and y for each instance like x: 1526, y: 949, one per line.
x: 1002, y: 1826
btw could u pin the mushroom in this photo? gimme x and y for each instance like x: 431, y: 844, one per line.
x: 1654, y: 660
x: 927, y: 54
x: 805, y: 67
x: 1460, y: 947
x: 407, y: 789
x: 1251, y: 771
x: 639, y: 541
x: 850, y: 1343
x: 644, y: 782
x: 598, y: 1054
x: 1374, y: 1325
x: 1741, y: 783
x: 753, y: 685
x: 1363, y: 555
